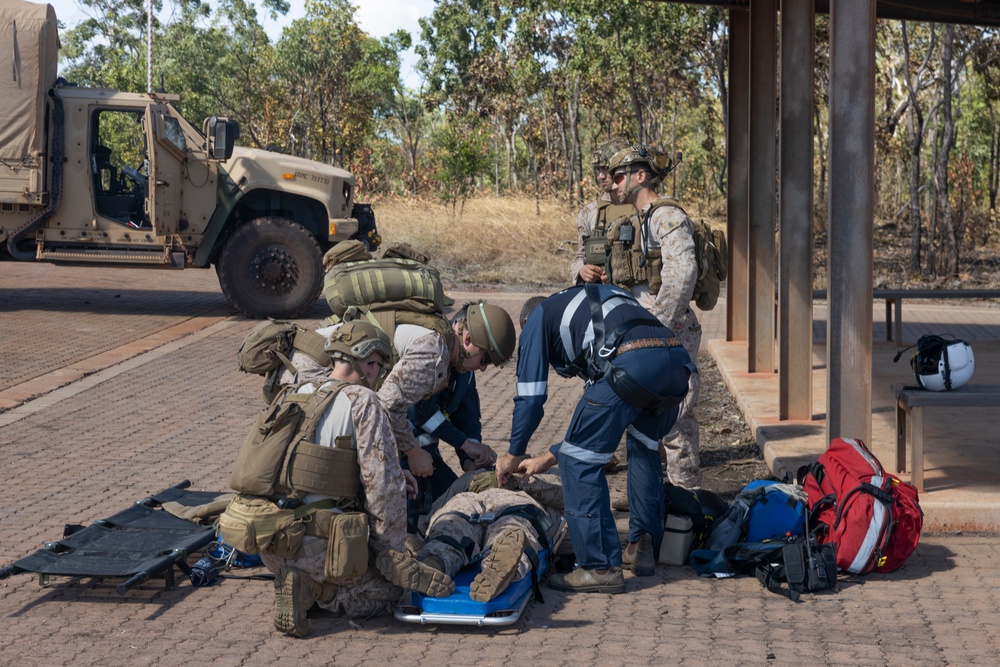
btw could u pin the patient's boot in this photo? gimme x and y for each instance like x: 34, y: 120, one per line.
x: 407, y: 572
x: 499, y: 566
x: 294, y: 593
x: 430, y: 560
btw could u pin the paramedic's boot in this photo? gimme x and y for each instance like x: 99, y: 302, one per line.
x: 294, y: 593
x: 407, y: 572
x: 500, y: 565
x: 610, y: 580
x: 638, y: 557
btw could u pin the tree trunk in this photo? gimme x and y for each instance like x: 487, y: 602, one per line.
x: 994, y: 161
x: 949, y: 230
x: 914, y: 136
x: 575, y: 158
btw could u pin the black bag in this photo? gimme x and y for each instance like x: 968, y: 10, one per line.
x: 801, y: 564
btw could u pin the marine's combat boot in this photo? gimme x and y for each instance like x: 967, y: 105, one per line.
x: 294, y: 593
x: 407, y: 572
x: 499, y: 566
x: 431, y: 560
x: 638, y: 557
x: 610, y: 580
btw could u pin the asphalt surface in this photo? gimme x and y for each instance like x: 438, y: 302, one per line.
x: 117, y: 383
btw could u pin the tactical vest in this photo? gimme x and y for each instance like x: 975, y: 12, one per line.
x: 279, y: 459
x: 618, y: 247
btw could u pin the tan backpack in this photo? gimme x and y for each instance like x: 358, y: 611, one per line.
x: 399, y: 287
x: 711, y: 251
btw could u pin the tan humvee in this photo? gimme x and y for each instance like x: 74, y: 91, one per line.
x: 96, y: 176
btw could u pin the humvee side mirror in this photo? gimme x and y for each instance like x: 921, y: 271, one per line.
x: 221, y: 135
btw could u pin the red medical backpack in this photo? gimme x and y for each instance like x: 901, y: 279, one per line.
x: 872, y: 516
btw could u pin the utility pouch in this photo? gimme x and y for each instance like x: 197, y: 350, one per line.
x: 595, y: 250
x: 252, y: 524
x: 347, y: 547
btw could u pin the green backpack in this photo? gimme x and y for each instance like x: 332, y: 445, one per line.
x: 399, y: 287
x: 712, y: 252
x: 270, y: 344
x: 399, y: 280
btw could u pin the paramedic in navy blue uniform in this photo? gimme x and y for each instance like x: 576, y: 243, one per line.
x: 557, y: 333
x: 453, y: 415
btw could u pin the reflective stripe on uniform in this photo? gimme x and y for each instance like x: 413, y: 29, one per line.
x: 533, y: 388
x: 564, y: 333
x: 585, y: 455
x: 434, y: 421
x: 575, y: 304
x: 648, y: 442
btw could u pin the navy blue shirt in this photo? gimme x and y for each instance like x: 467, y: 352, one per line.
x: 451, y: 415
x: 556, y: 333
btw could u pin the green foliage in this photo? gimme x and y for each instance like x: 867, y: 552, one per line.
x: 462, y: 156
x: 514, y: 96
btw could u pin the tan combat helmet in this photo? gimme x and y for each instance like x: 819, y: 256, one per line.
x: 606, y: 150
x: 629, y: 158
x: 357, y: 340
x: 492, y: 330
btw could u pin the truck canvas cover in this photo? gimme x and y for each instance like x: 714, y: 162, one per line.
x: 29, y: 57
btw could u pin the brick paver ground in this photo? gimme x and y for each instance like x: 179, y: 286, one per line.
x: 180, y: 411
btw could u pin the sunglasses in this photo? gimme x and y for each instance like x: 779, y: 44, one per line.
x: 619, y: 176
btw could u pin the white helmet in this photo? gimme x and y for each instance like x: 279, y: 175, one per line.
x: 942, y: 364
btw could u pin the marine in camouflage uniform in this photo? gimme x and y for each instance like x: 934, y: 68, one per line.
x: 585, y: 220
x: 455, y: 521
x: 668, y: 228
x: 587, y: 217
x: 359, y: 351
x: 487, y: 336
x: 356, y: 412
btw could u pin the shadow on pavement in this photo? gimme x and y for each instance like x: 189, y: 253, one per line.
x: 112, y: 301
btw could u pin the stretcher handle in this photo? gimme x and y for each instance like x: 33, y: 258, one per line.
x: 10, y: 571
x: 158, y: 566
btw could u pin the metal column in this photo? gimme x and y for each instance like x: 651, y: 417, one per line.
x: 737, y: 217
x: 852, y: 196
x: 795, y: 183
x: 763, y: 40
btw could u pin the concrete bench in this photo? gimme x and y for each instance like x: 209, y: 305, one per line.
x: 894, y: 303
x: 911, y: 402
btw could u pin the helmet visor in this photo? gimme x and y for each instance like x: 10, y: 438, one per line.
x: 924, y: 364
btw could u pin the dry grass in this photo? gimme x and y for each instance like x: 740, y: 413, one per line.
x: 512, y: 243
x: 504, y: 242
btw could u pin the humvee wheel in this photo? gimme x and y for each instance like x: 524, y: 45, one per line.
x: 271, y: 267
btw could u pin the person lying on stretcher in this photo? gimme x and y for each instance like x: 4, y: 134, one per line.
x: 505, y: 529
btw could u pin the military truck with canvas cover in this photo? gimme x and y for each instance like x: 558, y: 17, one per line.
x: 96, y: 176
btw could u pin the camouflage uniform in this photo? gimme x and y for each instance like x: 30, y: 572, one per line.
x: 384, y: 502
x: 673, y: 232
x: 422, y: 371
x: 585, y: 221
x: 446, y: 522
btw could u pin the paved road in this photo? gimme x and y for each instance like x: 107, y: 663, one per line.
x: 178, y: 410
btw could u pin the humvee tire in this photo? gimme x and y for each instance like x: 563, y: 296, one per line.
x: 271, y: 267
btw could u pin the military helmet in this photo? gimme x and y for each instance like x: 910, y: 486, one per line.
x: 658, y: 163
x: 358, y: 339
x: 491, y: 330
x: 606, y: 150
